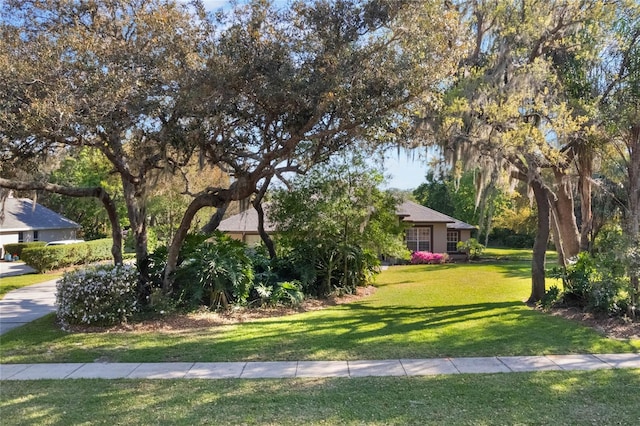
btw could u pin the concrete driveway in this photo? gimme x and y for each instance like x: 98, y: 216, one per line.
x: 8, y: 269
x: 25, y: 304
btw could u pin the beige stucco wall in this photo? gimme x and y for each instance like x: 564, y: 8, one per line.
x: 251, y: 240
x: 439, y: 238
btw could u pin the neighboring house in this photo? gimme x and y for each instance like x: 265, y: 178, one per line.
x: 26, y: 221
x: 244, y: 226
x: 430, y: 230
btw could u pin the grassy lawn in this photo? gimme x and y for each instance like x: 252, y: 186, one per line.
x: 473, y: 309
x: 8, y: 284
x: 543, y: 398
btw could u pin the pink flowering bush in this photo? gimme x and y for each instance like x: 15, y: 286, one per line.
x: 424, y: 257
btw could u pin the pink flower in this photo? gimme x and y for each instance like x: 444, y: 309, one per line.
x: 422, y: 257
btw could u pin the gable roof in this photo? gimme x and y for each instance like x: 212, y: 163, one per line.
x: 415, y: 213
x: 246, y: 222
x: 22, y: 214
x: 408, y: 211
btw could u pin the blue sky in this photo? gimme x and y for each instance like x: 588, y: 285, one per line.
x: 406, y: 172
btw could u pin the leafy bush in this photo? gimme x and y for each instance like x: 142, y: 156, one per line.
x: 426, y: 257
x: 589, y: 282
x: 508, y: 238
x: 47, y: 258
x: 326, y: 267
x: 550, y: 297
x: 288, y: 293
x: 16, y: 248
x: 472, y: 247
x: 216, y: 273
x: 100, y: 295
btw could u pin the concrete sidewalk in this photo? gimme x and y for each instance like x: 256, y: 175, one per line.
x: 308, y: 369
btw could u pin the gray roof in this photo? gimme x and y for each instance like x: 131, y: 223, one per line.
x: 415, y: 213
x: 247, y: 221
x: 22, y: 214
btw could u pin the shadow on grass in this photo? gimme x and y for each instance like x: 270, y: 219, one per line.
x: 603, y: 397
x: 353, y: 331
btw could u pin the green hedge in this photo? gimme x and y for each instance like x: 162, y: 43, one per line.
x: 16, y: 248
x: 48, y: 258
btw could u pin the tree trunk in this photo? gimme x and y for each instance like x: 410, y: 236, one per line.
x: 538, y: 285
x: 266, y: 239
x: 565, y: 214
x: 137, y: 213
x: 201, y: 201
x: 585, y: 170
x: 557, y: 241
x: 257, y: 204
x: 215, y: 219
x: 219, y: 198
x: 633, y: 214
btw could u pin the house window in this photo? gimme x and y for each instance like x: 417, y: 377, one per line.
x: 21, y: 237
x: 36, y: 237
x: 419, y: 239
x: 452, y: 241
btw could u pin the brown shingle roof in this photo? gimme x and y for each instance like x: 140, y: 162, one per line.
x: 415, y: 213
x: 247, y: 221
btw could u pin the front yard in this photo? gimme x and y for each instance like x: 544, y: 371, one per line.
x: 416, y: 312
x: 423, y: 311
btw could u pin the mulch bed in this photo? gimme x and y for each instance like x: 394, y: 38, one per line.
x: 614, y: 327
x: 176, y: 323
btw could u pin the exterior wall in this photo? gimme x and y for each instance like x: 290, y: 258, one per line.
x: 56, y: 234
x: 235, y: 235
x: 465, y: 234
x: 8, y: 238
x: 439, y: 238
x: 252, y: 240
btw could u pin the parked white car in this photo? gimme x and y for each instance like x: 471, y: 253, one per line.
x: 63, y: 242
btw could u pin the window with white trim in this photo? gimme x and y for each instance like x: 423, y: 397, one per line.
x: 36, y: 236
x: 452, y: 241
x: 21, y: 237
x: 419, y: 239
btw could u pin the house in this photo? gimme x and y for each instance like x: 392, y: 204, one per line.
x: 25, y: 221
x: 429, y: 230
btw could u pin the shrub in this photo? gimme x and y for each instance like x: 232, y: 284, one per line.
x: 217, y: 273
x: 288, y: 293
x: 509, y: 238
x: 426, y: 257
x: 472, y: 247
x: 47, y: 258
x: 550, y: 297
x: 99, y: 295
x: 16, y: 248
x: 591, y: 283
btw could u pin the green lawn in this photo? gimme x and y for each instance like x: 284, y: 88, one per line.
x: 602, y: 397
x: 473, y: 309
x: 8, y: 284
